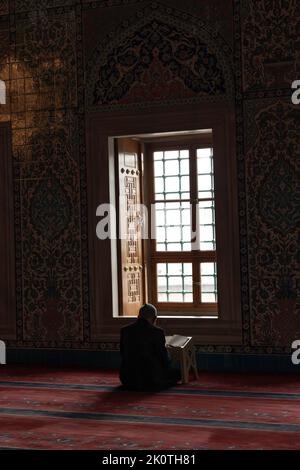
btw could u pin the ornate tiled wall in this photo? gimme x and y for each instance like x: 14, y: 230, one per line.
x: 61, y: 58
x: 271, y: 62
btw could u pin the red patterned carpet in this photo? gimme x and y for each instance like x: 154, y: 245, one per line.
x: 65, y: 409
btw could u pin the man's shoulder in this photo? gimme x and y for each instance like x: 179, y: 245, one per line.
x: 129, y: 327
x: 153, y: 329
x: 158, y: 330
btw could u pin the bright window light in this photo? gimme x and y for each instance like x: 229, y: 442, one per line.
x: 2, y: 92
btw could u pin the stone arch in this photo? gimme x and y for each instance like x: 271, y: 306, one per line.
x: 159, y: 54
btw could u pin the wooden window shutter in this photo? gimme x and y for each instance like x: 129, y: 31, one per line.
x: 130, y: 218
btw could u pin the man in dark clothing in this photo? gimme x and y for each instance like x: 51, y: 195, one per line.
x: 145, y: 360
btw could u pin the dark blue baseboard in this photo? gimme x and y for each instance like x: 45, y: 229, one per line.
x: 246, y: 363
x: 111, y: 360
x: 64, y: 357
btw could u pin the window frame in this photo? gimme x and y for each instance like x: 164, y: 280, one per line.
x: 101, y: 129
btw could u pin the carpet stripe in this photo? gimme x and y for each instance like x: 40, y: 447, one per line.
x: 176, y: 391
x: 215, y: 423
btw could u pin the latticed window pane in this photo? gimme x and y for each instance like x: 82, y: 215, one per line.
x: 205, y: 173
x: 180, y: 198
x: 174, y: 282
x: 206, y: 199
x: 171, y: 174
x: 207, y: 225
x: 173, y: 226
x: 209, y: 292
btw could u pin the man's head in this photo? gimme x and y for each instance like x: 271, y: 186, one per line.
x: 148, y: 312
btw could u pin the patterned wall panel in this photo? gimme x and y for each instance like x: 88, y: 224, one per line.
x: 33, y: 5
x: 46, y: 53
x: 271, y: 43
x: 273, y: 185
x: 4, y: 7
x: 4, y: 44
x: 156, y: 56
x: 51, y: 268
x: 217, y: 14
x: 4, y: 63
x: 43, y: 96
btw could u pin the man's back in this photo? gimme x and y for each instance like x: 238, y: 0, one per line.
x: 144, y: 356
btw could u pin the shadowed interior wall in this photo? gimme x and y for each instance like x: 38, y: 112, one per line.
x: 62, y: 59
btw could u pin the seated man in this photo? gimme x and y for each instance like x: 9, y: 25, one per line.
x: 145, y: 360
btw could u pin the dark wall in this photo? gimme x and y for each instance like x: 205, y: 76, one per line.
x: 62, y: 59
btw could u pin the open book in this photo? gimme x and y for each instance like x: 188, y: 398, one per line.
x: 177, y: 341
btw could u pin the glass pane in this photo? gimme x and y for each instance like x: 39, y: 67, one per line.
x: 158, y: 168
x: 186, y: 234
x: 184, y: 154
x: 205, y: 195
x: 162, y: 297
x: 207, y: 225
x: 160, y: 234
x: 188, y: 297
x: 204, y: 166
x: 205, y: 183
x: 171, y: 174
x: 161, y: 284
x: 204, y: 152
x: 205, y: 187
x: 188, y: 269
x: 172, y: 167
x: 209, y: 292
x: 173, y: 217
x: 208, y: 298
x: 184, y: 167
x: 173, y: 226
x: 171, y: 154
x: 174, y: 282
x: 205, y: 173
x: 207, y: 233
x: 160, y: 218
x: 161, y: 247
x: 175, y: 269
x: 185, y: 183
x: 188, y: 284
x: 159, y: 185
x: 158, y: 155
x: 208, y: 284
x: 172, y: 185
x: 176, y: 247
x: 208, y: 269
x: 175, y: 297
x: 186, y: 216
x: 161, y: 269
x: 174, y: 234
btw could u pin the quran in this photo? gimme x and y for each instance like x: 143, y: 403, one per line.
x: 177, y: 341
